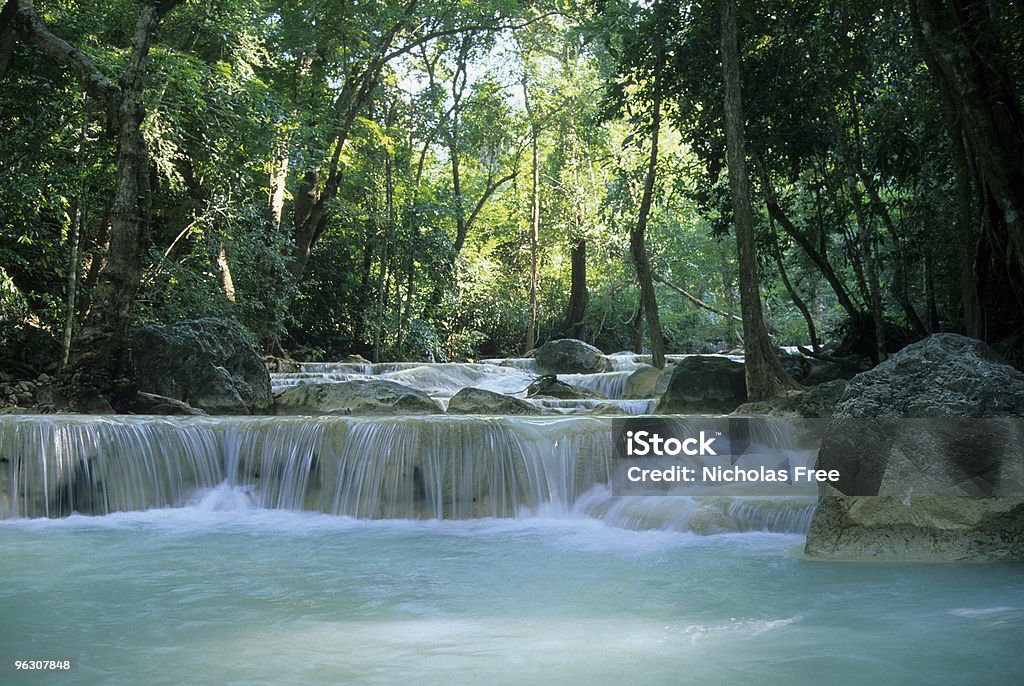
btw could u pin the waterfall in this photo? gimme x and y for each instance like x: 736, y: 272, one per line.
x: 53, y: 466
x: 609, y: 384
x: 405, y: 467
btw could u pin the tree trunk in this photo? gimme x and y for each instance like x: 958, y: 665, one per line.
x: 971, y: 67
x: 637, y: 244
x: 227, y: 282
x: 531, y: 325
x: 578, y: 296
x: 764, y: 373
x: 816, y: 254
x: 805, y: 312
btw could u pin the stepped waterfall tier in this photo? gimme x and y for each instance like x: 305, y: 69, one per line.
x: 443, y: 467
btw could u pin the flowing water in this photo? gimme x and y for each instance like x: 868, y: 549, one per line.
x: 443, y: 550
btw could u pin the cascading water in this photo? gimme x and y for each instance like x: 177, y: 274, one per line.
x: 433, y: 467
x: 609, y: 384
x: 53, y: 466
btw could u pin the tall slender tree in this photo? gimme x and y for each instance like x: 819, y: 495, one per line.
x: 765, y: 375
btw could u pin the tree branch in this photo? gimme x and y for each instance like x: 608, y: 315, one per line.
x: 692, y: 298
x: 93, y: 81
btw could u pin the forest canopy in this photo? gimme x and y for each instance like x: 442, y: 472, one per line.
x: 452, y: 179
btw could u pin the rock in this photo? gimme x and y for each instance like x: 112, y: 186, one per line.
x: 931, y: 528
x: 551, y: 387
x: 358, y: 397
x: 704, y: 384
x: 817, y: 402
x: 355, y: 359
x: 796, y: 365
x: 481, y: 401
x: 930, y: 450
x: 820, y: 401
x: 647, y: 382
x: 822, y: 371
x: 281, y: 364
x: 202, y: 362
x: 570, y: 356
x: 944, y: 375
x: 150, y: 403
x: 607, y: 409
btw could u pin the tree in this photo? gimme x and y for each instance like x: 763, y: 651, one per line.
x: 965, y: 47
x: 764, y: 373
x: 99, y: 373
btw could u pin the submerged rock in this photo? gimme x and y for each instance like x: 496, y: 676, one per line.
x: 481, y: 401
x: 570, y: 356
x: 202, y: 362
x: 358, y: 397
x: 704, y: 384
x: 930, y: 451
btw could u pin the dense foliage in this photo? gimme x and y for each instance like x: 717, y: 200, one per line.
x: 360, y: 177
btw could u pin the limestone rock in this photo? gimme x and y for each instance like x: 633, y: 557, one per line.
x: 202, y: 362
x: 931, y: 528
x: 822, y: 371
x: 358, y: 397
x: 647, y: 382
x: 796, y: 365
x: 481, y: 401
x: 281, y: 364
x: 704, y: 384
x: 930, y: 449
x: 820, y: 401
x: 551, y: 387
x: 817, y: 402
x: 570, y: 356
x: 944, y: 375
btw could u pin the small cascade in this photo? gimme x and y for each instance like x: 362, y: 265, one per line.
x: 612, y: 385
x: 363, y: 368
x: 51, y: 467
x: 277, y: 457
x: 588, y: 405
x: 525, y: 363
x: 463, y: 467
x: 436, y: 380
x: 445, y: 380
x: 628, y: 362
x: 281, y: 380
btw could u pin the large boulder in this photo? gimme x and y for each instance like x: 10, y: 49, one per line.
x: 202, y: 362
x: 358, y: 397
x: 704, y: 384
x: 482, y: 401
x: 929, y: 446
x: 570, y: 356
